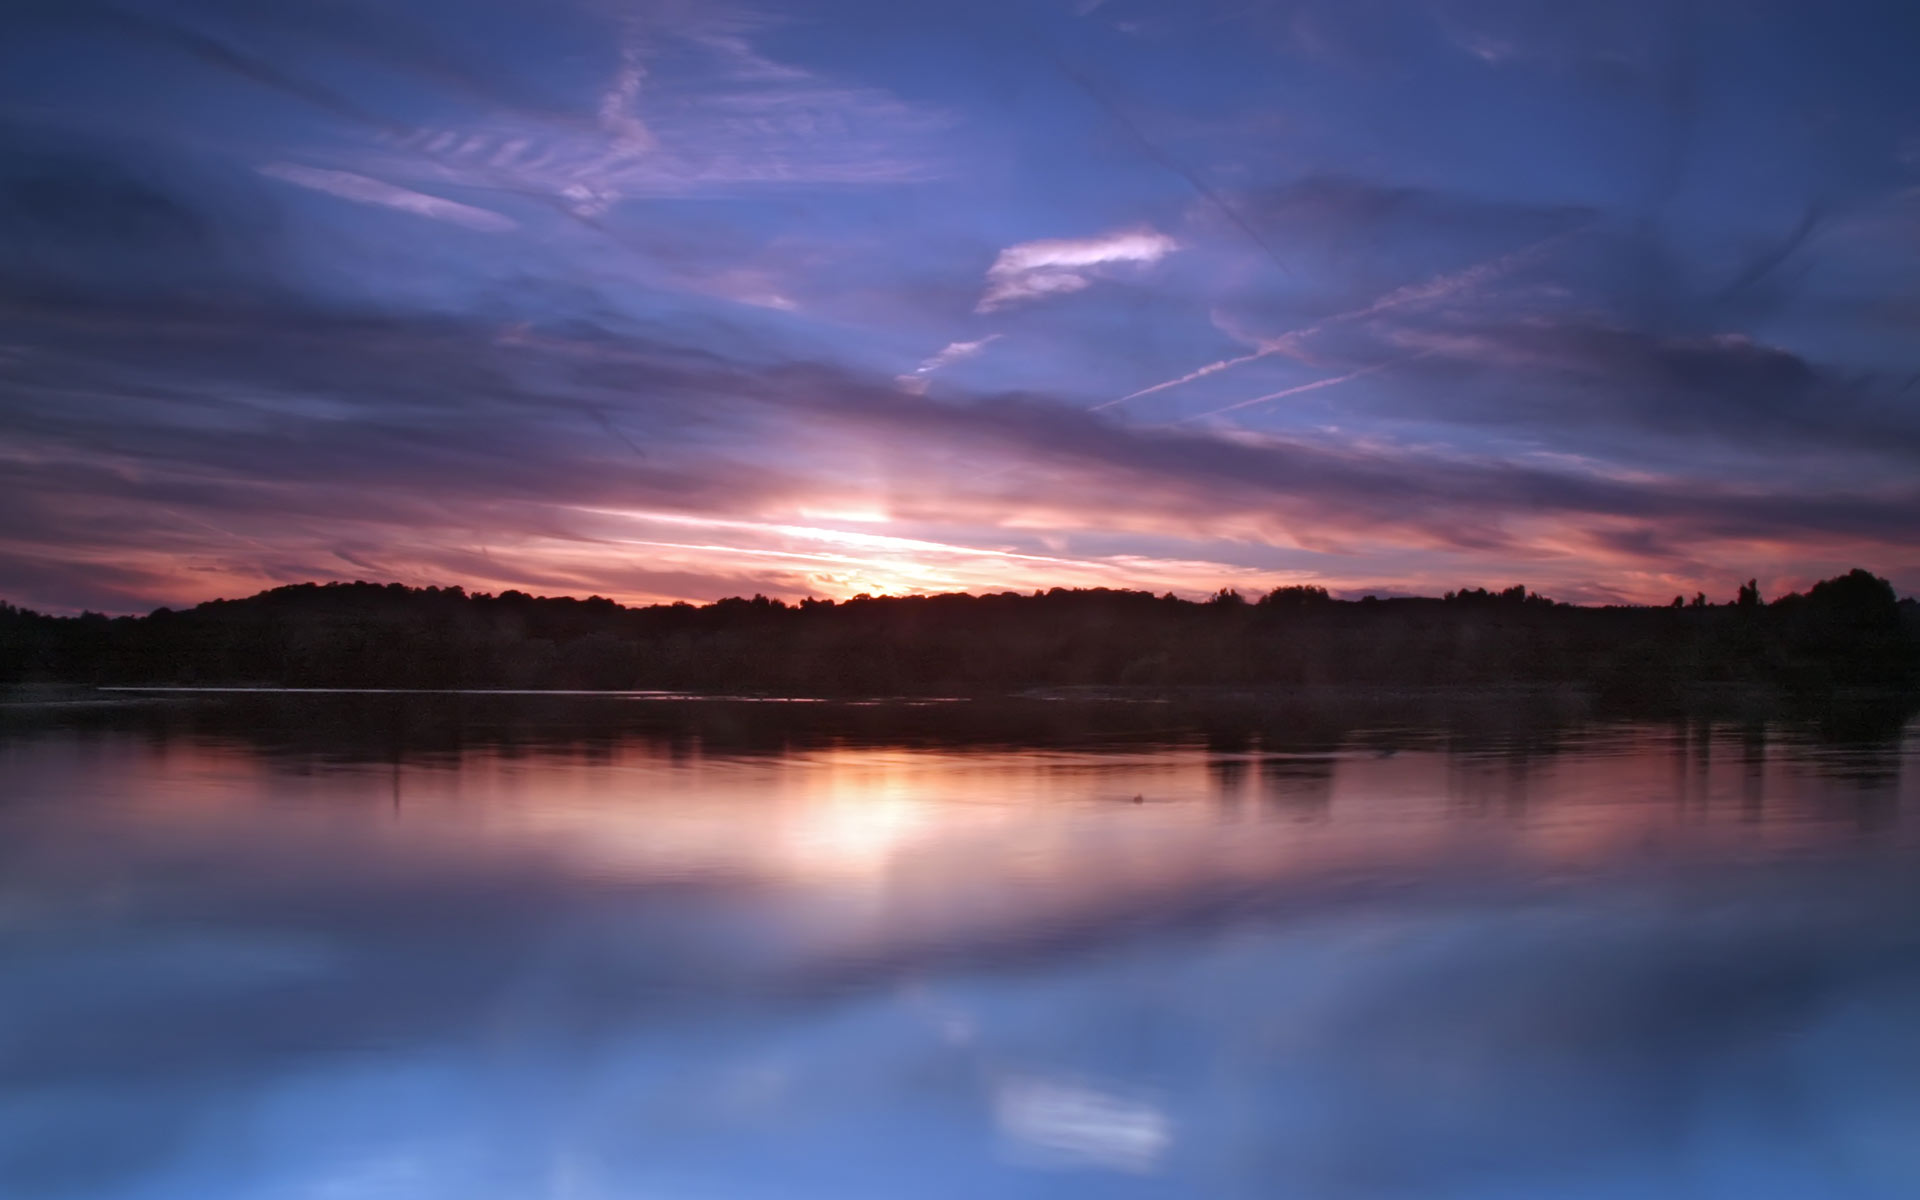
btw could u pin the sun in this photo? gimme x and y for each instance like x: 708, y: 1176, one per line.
x: 879, y: 579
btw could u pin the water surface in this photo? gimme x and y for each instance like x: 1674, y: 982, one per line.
x: 472, y: 947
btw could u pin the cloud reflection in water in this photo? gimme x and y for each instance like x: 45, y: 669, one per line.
x: 1619, y: 961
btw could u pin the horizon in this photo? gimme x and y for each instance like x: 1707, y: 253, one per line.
x: 1249, y: 599
x: 671, y: 302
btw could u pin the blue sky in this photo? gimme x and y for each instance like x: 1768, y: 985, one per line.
x: 684, y: 300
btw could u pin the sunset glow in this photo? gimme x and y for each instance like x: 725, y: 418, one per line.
x: 672, y: 302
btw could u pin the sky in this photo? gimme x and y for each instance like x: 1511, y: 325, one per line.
x: 682, y: 300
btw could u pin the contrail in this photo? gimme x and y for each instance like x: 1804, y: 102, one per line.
x: 1412, y: 293
x: 1315, y: 386
x: 1267, y: 347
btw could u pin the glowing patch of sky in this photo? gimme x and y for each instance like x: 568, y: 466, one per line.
x: 497, y: 261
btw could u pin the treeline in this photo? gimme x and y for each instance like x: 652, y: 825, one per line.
x: 1847, y: 632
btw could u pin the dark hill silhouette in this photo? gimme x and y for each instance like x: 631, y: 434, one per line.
x: 1847, y: 632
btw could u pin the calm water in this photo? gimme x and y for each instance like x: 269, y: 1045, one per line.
x: 469, y: 948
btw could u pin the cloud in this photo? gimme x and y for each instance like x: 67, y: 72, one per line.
x: 177, y: 420
x: 753, y: 286
x: 1065, y: 1123
x: 85, y: 218
x: 169, y: 448
x: 916, y: 380
x: 1586, y: 383
x: 362, y: 190
x: 1056, y: 266
x: 1355, y: 222
x: 220, y: 450
x: 630, y: 134
x: 687, y: 105
x: 719, y: 118
x: 1615, y: 42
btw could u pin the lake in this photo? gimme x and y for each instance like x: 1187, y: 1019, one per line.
x: 345, y: 946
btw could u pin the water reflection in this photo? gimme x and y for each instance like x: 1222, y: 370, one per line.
x: 477, y: 948
x: 1300, y: 787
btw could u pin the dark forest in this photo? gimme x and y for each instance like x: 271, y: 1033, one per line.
x: 1850, y: 632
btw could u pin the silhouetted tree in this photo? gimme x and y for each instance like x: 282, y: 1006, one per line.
x: 1844, y: 632
x: 1295, y: 595
x: 1858, y: 598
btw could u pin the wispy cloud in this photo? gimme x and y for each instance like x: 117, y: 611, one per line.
x: 364, y: 190
x: 1056, y: 266
x: 916, y: 380
x: 725, y: 118
x: 756, y: 287
x: 221, y: 380
x: 629, y: 132
x: 242, y: 449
